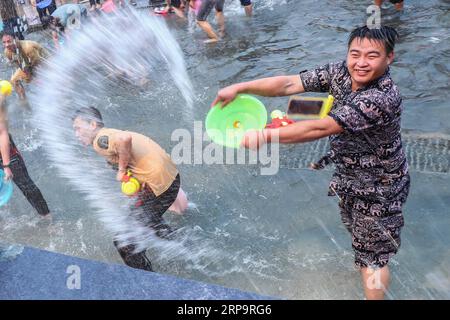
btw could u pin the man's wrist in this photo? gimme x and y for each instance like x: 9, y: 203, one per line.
x: 240, y: 87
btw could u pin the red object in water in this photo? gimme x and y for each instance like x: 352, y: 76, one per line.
x: 277, y: 123
x: 139, y: 203
x: 108, y: 6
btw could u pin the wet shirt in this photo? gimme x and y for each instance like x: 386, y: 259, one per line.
x: 368, y: 155
x: 149, y: 163
x: 27, y: 55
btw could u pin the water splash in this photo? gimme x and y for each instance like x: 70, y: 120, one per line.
x: 119, y: 55
x: 9, y: 251
x: 90, y: 72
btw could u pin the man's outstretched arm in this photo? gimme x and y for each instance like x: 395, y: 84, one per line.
x: 268, y: 87
x: 302, y: 131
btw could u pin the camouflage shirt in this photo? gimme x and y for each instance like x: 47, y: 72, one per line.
x: 368, y: 155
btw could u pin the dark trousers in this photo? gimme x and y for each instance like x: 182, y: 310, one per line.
x: 47, y: 11
x: 139, y: 260
x: 149, y: 210
x: 24, y: 182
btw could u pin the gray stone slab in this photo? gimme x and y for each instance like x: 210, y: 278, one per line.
x: 39, y: 274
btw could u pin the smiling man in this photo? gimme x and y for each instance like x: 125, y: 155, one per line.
x: 371, y: 177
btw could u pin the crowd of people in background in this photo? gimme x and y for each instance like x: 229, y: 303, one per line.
x: 47, y: 9
x: 62, y: 19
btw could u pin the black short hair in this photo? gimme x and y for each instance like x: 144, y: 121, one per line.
x: 89, y: 114
x: 385, y: 34
x: 8, y: 32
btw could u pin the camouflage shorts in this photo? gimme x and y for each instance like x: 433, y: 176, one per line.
x: 374, y: 226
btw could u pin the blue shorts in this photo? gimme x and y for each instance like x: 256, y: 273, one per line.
x: 207, y: 6
x: 246, y: 2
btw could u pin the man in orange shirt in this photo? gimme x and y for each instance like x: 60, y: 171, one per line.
x: 148, y: 163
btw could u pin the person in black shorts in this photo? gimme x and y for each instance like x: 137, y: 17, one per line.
x: 202, y: 16
x: 398, y: 3
x: 247, y: 4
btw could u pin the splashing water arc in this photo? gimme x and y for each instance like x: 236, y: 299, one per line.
x: 109, y: 56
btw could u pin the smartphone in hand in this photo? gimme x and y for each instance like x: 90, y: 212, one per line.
x: 301, y: 108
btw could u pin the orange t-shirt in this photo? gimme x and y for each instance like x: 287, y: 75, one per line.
x: 149, y: 163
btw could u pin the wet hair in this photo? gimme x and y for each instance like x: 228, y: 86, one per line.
x: 8, y: 32
x: 385, y: 34
x: 89, y: 114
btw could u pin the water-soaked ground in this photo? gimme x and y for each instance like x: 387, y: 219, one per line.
x: 275, y: 235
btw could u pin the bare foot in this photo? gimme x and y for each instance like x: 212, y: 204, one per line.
x: 45, y: 220
x: 47, y: 217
